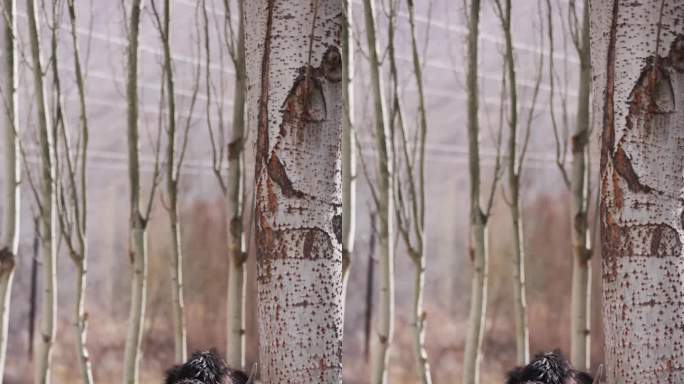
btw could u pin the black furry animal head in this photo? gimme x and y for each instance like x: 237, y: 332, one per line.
x: 206, y: 367
x: 548, y: 368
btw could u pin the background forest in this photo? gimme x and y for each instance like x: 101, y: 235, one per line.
x: 185, y: 176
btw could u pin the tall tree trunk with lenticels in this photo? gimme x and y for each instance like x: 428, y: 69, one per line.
x: 638, y: 71
x: 294, y: 72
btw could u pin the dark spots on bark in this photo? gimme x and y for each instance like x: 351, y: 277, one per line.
x: 643, y: 240
x: 608, y: 132
x: 676, y: 56
x: 652, y: 94
x: 623, y: 166
x: 234, y: 149
x: 277, y: 173
x: 235, y: 226
x: 305, y: 102
x: 337, y: 227
x: 7, y: 261
x: 317, y: 244
x: 262, y: 144
x: 578, y: 141
x: 331, y: 65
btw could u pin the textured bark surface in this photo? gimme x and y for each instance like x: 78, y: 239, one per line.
x: 9, y: 237
x: 477, y: 246
x: 384, y: 329
x: 138, y: 230
x: 235, y: 348
x: 294, y: 71
x: 48, y: 316
x: 638, y: 63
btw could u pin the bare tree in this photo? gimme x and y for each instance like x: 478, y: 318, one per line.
x: 173, y: 166
x: 479, y: 213
x: 578, y: 182
x: 46, y: 200
x: 348, y: 145
x: 9, y: 239
x: 409, y: 176
x: 294, y: 67
x: 139, y: 213
x: 638, y: 72
x: 232, y: 184
x: 516, y: 159
x: 71, y: 180
x: 383, y: 200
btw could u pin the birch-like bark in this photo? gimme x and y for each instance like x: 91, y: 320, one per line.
x: 9, y: 238
x: 522, y: 341
x: 46, y: 203
x: 138, y: 230
x: 348, y: 146
x: 294, y: 69
x: 638, y: 72
x: 410, y: 190
x: 73, y: 182
x: 237, y: 252
x: 385, y: 321
x: 477, y: 244
x: 580, y: 320
x: 172, y: 168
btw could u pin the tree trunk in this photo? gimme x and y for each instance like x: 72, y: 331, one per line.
x: 9, y: 240
x: 172, y: 180
x: 580, y: 319
x: 79, y: 202
x: 138, y: 230
x: 477, y: 245
x: 348, y: 146
x: 638, y: 63
x: 45, y: 341
x: 234, y: 202
x: 522, y: 342
x: 298, y: 210
x: 385, y: 325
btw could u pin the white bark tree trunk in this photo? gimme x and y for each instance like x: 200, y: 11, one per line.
x: 138, y: 231
x: 172, y: 181
x: 9, y: 238
x: 237, y: 255
x: 580, y: 319
x: 380, y: 348
x: 348, y: 146
x: 477, y: 245
x: 46, y: 338
x: 294, y: 70
x: 638, y: 63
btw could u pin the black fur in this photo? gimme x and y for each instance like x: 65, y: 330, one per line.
x: 548, y: 368
x: 206, y: 367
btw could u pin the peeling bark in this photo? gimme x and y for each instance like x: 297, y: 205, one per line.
x: 298, y: 186
x: 638, y: 89
x: 9, y: 239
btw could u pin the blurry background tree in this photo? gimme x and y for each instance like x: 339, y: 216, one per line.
x: 11, y: 195
x: 638, y: 60
x: 382, y: 190
x: 71, y: 158
x: 45, y: 194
